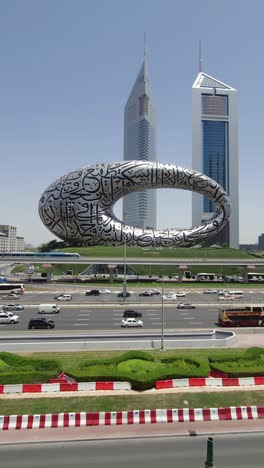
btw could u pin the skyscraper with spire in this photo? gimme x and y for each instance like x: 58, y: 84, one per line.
x: 215, y: 148
x: 140, y: 129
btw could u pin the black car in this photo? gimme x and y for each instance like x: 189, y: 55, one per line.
x: 121, y: 294
x: 93, y: 292
x: 146, y: 293
x: 41, y: 323
x: 131, y: 313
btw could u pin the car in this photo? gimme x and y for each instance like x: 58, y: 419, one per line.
x: 180, y: 294
x: 12, y: 307
x: 13, y: 294
x: 131, y: 313
x: 8, y: 317
x: 185, y: 305
x: 223, y: 291
x: 104, y: 291
x: 155, y: 292
x: 131, y: 322
x: 146, y: 293
x: 211, y: 291
x: 63, y: 297
x: 41, y: 323
x: 93, y: 292
x: 223, y: 297
x: 170, y: 296
x: 121, y: 294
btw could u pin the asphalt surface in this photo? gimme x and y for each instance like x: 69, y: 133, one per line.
x: 230, y: 451
x: 106, y: 311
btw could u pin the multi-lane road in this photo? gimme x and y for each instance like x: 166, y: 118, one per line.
x: 137, y: 260
x: 231, y: 451
x: 105, y: 312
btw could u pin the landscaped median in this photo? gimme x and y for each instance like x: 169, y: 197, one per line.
x: 140, y: 369
x: 135, y: 369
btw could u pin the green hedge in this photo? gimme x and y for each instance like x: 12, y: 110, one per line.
x: 18, y: 369
x: 248, y: 364
x: 26, y: 377
x: 139, y: 368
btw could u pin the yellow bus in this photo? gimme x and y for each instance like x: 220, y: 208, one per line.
x: 246, y: 316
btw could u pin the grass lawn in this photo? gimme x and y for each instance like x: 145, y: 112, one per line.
x: 131, y: 402
x: 160, y: 253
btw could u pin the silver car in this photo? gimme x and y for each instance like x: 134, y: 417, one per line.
x: 131, y: 322
x: 12, y: 307
x: 8, y: 317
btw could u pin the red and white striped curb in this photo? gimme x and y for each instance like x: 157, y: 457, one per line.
x: 44, y: 421
x: 210, y: 382
x: 64, y: 387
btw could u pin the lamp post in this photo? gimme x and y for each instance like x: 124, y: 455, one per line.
x: 124, y: 280
x: 162, y: 314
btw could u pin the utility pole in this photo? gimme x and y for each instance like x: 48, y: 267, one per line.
x: 162, y: 314
x: 209, y: 463
x: 124, y: 280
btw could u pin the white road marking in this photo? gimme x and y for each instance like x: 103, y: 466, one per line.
x: 188, y: 318
x: 82, y: 319
x: 80, y: 324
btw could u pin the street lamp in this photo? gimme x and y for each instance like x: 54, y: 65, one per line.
x: 162, y: 314
x: 124, y: 280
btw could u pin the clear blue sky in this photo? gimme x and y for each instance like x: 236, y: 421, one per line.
x: 67, y: 67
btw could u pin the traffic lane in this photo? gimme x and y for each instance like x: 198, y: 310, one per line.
x: 230, y: 451
x: 106, y: 318
x: 195, y: 296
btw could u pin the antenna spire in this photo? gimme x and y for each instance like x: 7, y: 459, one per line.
x: 145, y: 45
x: 200, y: 57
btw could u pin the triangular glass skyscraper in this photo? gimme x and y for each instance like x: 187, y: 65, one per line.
x: 140, y: 129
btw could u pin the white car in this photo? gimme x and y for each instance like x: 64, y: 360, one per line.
x: 155, y: 292
x: 8, y: 317
x: 12, y: 307
x: 185, y: 305
x: 64, y: 297
x: 170, y: 297
x: 224, y: 297
x: 180, y: 294
x: 104, y: 291
x: 131, y: 322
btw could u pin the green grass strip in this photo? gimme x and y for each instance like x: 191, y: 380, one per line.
x: 131, y: 402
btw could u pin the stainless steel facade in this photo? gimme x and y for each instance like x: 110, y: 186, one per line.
x: 79, y: 205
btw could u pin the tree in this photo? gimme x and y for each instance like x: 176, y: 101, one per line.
x: 52, y: 245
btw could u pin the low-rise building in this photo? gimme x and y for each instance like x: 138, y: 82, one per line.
x: 9, y: 241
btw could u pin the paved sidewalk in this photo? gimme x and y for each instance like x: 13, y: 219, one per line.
x: 130, y: 431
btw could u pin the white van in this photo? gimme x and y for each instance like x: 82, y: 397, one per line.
x: 237, y: 294
x: 48, y: 309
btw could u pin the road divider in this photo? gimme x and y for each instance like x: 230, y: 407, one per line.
x: 64, y: 387
x: 113, y: 418
x: 210, y: 382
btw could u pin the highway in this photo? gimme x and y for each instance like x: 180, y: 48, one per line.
x: 104, y: 313
x: 231, y: 451
x: 138, y: 261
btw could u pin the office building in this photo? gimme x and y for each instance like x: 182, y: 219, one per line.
x: 261, y: 242
x: 140, y: 129
x: 9, y: 241
x: 215, y: 149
